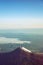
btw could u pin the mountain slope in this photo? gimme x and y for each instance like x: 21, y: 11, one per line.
x: 21, y: 56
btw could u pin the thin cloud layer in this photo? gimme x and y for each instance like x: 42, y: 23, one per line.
x: 4, y: 40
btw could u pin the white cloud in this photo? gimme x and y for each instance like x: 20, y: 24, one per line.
x: 12, y: 40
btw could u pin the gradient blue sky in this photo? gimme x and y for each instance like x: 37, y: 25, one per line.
x: 21, y: 14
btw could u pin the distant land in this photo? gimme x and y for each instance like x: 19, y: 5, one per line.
x: 28, y: 30
x: 34, y: 36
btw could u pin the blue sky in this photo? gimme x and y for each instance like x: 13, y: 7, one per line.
x: 21, y: 14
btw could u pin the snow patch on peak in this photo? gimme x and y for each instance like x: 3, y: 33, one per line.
x: 26, y: 49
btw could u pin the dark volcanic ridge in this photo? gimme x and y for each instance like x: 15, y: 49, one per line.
x: 21, y: 56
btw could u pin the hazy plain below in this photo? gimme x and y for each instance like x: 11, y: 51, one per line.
x: 32, y: 39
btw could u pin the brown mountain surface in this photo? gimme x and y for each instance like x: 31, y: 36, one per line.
x: 21, y: 56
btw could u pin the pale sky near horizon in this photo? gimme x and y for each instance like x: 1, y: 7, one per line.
x: 17, y: 14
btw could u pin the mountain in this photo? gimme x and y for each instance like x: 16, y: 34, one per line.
x: 21, y: 56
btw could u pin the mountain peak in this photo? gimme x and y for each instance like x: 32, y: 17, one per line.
x: 21, y: 56
x: 23, y: 49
